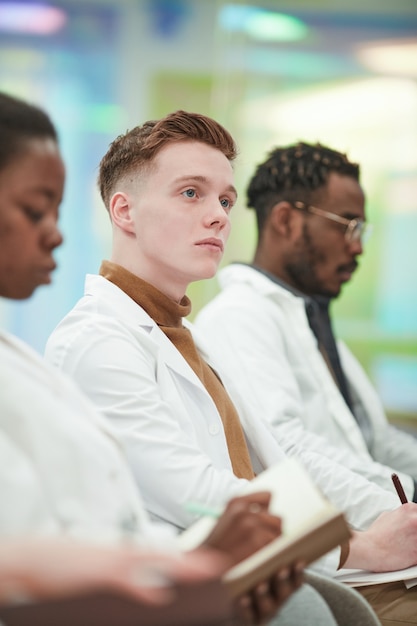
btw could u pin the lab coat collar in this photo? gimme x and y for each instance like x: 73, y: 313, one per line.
x: 116, y: 302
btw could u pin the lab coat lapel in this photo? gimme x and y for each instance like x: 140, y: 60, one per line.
x: 173, y: 358
x: 298, y: 327
x: 122, y: 306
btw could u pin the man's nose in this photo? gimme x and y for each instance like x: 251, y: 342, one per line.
x: 217, y: 215
x: 355, y: 247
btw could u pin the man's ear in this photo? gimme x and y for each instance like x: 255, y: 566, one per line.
x: 281, y: 218
x: 120, y: 211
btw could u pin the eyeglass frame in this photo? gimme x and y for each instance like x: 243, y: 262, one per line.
x: 352, y: 225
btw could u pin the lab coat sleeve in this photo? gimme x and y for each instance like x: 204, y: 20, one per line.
x: 122, y: 375
x: 390, y: 445
x: 23, y: 500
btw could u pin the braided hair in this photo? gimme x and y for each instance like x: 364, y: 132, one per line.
x: 293, y: 173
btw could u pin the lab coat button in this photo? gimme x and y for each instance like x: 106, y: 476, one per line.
x: 213, y: 429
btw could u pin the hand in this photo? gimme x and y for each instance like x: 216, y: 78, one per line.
x: 263, y: 603
x: 245, y: 527
x: 390, y: 543
x: 55, y: 567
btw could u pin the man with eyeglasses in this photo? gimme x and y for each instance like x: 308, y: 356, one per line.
x: 271, y: 329
x: 294, y: 387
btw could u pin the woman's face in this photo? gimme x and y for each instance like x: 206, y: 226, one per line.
x: 31, y: 188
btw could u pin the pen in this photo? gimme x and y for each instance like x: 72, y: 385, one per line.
x: 201, y: 509
x: 399, y: 488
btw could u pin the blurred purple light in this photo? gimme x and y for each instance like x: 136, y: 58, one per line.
x: 32, y: 18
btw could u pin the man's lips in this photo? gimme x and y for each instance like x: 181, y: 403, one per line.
x: 345, y: 271
x: 211, y: 242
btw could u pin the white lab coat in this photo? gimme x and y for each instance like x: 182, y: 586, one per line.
x: 169, y: 425
x: 277, y: 377
x: 62, y: 470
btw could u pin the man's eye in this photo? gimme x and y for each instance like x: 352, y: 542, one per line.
x: 189, y: 193
x: 226, y: 203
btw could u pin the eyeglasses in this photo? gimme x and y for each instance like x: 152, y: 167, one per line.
x: 355, y: 229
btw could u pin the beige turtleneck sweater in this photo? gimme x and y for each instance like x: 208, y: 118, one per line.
x: 168, y: 316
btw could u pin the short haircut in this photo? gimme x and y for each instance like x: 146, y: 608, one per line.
x: 21, y: 122
x: 137, y: 148
x: 294, y: 173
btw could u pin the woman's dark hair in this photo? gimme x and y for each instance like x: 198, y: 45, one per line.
x: 20, y: 122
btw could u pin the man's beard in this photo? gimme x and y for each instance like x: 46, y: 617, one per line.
x: 301, y: 267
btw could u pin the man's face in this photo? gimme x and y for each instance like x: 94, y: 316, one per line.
x: 31, y: 188
x: 181, y: 214
x: 321, y: 259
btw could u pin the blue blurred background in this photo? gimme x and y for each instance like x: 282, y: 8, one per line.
x: 343, y: 73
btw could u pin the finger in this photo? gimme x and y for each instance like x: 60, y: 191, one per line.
x: 264, y: 602
x: 197, y: 564
x: 245, y: 609
x: 250, y: 516
x: 298, y: 574
x: 287, y: 580
x: 267, y: 521
x: 260, y: 498
x: 153, y: 578
x: 149, y: 595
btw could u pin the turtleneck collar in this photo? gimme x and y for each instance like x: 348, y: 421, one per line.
x: 163, y: 310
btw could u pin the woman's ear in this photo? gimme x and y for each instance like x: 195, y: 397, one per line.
x: 281, y: 218
x: 120, y: 209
